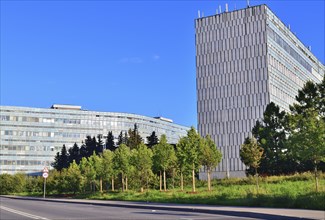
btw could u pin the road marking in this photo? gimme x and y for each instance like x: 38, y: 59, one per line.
x: 23, y: 213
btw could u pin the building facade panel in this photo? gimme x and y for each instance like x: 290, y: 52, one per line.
x: 30, y: 137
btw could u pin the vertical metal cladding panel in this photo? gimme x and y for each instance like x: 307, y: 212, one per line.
x: 237, y: 55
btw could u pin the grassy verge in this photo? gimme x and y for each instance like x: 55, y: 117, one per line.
x: 297, y: 191
x: 283, y: 194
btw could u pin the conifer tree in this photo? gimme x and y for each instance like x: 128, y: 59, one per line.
x: 74, y: 154
x: 122, y: 138
x: 110, y: 145
x: 152, y: 140
x: 99, y: 145
x: 134, y: 138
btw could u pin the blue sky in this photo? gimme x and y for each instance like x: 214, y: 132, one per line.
x: 119, y: 56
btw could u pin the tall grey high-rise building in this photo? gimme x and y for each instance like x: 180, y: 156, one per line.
x: 246, y: 59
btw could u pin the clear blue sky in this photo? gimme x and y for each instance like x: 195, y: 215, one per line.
x: 120, y: 56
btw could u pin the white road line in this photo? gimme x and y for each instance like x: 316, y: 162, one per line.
x: 22, y: 213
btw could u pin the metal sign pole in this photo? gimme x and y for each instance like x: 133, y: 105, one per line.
x: 44, y: 187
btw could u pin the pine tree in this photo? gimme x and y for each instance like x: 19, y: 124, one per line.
x: 64, y: 158
x: 99, y: 145
x: 83, y: 151
x: 56, y: 163
x: 152, y: 140
x: 91, y: 144
x: 134, y: 138
x: 74, y: 154
x: 122, y: 138
x: 110, y: 145
x: 271, y: 136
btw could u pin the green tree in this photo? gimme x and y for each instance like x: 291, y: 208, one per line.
x: 142, y: 162
x: 88, y: 172
x: 311, y: 96
x: 181, y: 159
x: 61, y: 161
x: 91, y: 145
x: 134, y: 139
x: 210, y: 156
x: 108, y: 167
x: 74, y: 154
x: 271, y: 136
x: 192, y: 151
x: 122, y: 164
x: 251, y: 154
x: 307, y: 138
x: 83, y: 151
x: 321, y: 89
x: 97, y: 163
x: 56, y: 164
x: 7, y: 184
x: 152, y: 140
x: 110, y: 145
x: 74, y: 178
x: 99, y: 145
x: 122, y: 138
x: 188, y: 154
x: 164, y: 157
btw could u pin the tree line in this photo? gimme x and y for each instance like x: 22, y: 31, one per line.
x: 285, y: 143
x: 96, y: 163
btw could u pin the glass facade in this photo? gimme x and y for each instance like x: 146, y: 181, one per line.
x: 30, y: 137
x: 244, y: 60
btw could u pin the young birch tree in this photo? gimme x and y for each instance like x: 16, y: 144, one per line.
x: 108, y: 167
x: 142, y: 161
x: 307, y: 138
x: 251, y: 155
x: 122, y: 164
x: 164, y: 157
x: 210, y: 156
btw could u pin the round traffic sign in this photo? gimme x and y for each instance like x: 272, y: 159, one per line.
x: 45, y: 175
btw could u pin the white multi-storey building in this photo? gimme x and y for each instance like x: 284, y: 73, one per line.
x: 30, y: 137
x: 246, y: 59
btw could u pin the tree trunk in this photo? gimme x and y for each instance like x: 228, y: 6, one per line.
x: 113, y: 184
x: 123, y: 183
x: 147, y: 184
x: 256, y: 174
x: 209, y: 180
x: 173, y: 180
x: 101, y: 185
x: 316, y: 177
x: 141, y: 189
x: 160, y: 181
x: 182, y: 181
x: 193, y: 179
x: 126, y: 183
x: 165, y: 180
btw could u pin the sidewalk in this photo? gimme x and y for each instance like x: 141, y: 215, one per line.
x: 253, y: 212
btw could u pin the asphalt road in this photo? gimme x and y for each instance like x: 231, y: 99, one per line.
x: 15, y: 209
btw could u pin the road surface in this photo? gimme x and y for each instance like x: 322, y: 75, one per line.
x: 15, y: 209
